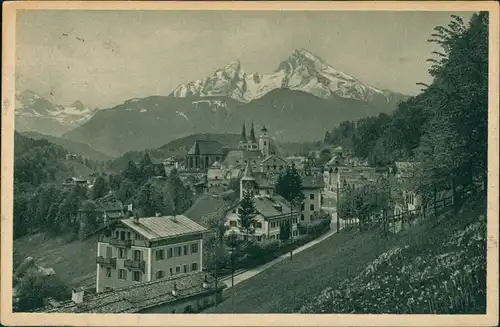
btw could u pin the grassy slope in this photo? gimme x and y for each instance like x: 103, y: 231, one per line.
x: 285, y: 287
x: 73, y: 262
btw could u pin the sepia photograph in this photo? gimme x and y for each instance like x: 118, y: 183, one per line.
x: 175, y: 162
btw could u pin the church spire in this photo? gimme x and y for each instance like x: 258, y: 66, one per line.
x: 252, y: 135
x: 243, y: 134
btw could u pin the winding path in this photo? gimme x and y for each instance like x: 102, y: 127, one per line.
x: 246, y: 274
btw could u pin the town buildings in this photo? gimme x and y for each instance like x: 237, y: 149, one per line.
x: 139, y: 250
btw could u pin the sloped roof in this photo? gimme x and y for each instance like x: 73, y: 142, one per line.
x: 266, y: 207
x: 162, y: 227
x: 313, y: 181
x: 204, y: 205
x: 238, y: 156
x: 247, y: 175
x: 273, y: 157
x: 141, y: 296
x: 206, y: 147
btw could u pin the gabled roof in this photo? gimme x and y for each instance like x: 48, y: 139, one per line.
x: 204, y: 147
x: 271, y: 158
x: 154, y: 228
x: 204, y: 205
x: 247, y: 175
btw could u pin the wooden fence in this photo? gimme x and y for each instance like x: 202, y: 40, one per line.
x: 396, y: 222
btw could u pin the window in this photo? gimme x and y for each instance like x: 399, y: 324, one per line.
x: 185, y: 268
x: 108, y: 272
x: 258, y: 225
x: 194, y: 248
x: 259, y: 238
x: 171, y: 271
x: 109, y: 252
x: 136, y: 236
x: 186, y: 250
x: 265, y: 143
x: 160, y: 274
x: 128, y: 236
x: 194, y: 266
x: 122, y: 235
x: 122, y: 274
x: 301, y: 216
x: 122, y: 253
x: 137, y: 255
x: 234, y: 211
x: 177, y: 269
x: 311, y: 217
x: 178, y: 251
x: 137, y: 276
x: 311, y: 196
x: 117, y: 234
x: 294, y: 220
x: 169, y: 253
x: 233, y: 223
x: 311, y: 207
x: 274, y: 167
x: 160, y: 255
x: 302, y: 207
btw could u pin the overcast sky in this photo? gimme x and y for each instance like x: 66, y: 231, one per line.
x: 125, y: 54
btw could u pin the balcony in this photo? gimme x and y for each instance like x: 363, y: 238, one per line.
x: 120, y: 243
x: 135, y: 264
x: 106, y: 261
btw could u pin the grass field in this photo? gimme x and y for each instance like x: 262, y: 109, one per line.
x: 284, y: 288
x: 74, y: 262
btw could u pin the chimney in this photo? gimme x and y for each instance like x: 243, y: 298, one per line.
x: 205, y: 282
x: 278, y: 207
x: 77, y: 295
x: 136, y: 218
x: 174, y: 291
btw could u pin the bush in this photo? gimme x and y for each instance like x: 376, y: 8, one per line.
x: 34, y: 288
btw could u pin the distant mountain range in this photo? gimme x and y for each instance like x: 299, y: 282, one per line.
x: 36, y: 113
x: 301, y: 100
x: 302, y: 71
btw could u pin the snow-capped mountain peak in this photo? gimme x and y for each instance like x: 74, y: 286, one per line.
x: 302, y: 70
x: 33, y: 110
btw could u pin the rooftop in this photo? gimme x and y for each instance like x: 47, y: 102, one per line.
x: 206, y: 147
x: 204, y: 205
x: 267, y: 206
x: 140, y: 296
x: 165, y: 226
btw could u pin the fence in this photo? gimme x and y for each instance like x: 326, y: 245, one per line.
x: 396, y: 222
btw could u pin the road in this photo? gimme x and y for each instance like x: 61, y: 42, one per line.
x: 246, y: 274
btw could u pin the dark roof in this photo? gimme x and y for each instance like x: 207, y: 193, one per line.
x: 311, y: 181
x: 274, y: 157
x: 162, y: 227
x: 238, y: 156
x: 204, y: 205
x: 141, y: 296
x: 266, y: 207
x: 206, y: 147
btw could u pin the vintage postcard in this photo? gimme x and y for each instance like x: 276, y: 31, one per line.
x: 250, y: 163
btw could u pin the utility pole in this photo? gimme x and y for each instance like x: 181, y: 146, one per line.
x: 338, y: 201
x: 216, y: 256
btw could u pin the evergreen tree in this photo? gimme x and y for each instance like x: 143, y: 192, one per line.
x: 289, y: 186
x: 177, y: 196
x: 88, y: 218
x: 285, y: 231
x: 131, y: 172
x: 99, y: 189
x: 247, y: 213
x: 126, y: 190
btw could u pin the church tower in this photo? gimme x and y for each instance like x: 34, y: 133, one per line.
x: 243, y: 140
x: 264, y: 141
x: 252, y: 142
x: 247, y: 182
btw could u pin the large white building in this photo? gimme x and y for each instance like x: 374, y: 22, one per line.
x: 139, y: 250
